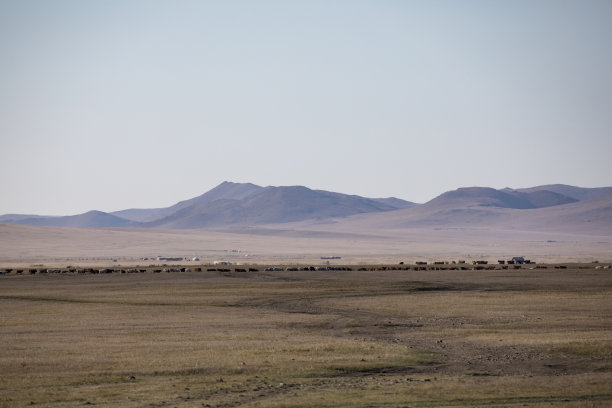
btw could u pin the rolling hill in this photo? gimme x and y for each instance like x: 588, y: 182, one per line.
x: 225, y: 205
x: 490, y: 197
x: 577, y: 193
x: 270, y: 205
x: 232, y: 205
x: 484, y: 208
x: 85, y: 220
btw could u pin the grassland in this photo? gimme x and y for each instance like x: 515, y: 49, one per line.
x: 504, y: 338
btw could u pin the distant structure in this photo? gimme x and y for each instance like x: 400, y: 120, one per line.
x: 331, y: 257
x: 518, y: 259
x: 166, y: 258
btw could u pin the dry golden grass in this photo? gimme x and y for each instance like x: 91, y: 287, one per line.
x: 307, y: 339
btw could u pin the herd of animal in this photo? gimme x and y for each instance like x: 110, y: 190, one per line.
x: 418, y: 266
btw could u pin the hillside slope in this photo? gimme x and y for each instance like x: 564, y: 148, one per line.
x: 577, y: 193
x: 270, y: 206
x: 88, y: 219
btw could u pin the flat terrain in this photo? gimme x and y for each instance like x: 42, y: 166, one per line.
x: 28, y: 245
x: 438, y: 338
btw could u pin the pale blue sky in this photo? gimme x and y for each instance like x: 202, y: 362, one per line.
x: 118, y: 104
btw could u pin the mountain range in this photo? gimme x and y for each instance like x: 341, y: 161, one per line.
x: 557, y: 206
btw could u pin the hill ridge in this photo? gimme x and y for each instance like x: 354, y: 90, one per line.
x: 247, y: 204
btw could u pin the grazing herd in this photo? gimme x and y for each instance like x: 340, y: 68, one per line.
x: 418, y: 266
x: 92, y: 271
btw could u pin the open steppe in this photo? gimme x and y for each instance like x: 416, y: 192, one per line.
x: 375, y: 338
x: 24, y: 245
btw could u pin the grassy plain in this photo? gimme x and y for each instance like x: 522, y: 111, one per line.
x: 504, y: 338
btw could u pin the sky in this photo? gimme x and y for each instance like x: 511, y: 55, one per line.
x: 109, y: 105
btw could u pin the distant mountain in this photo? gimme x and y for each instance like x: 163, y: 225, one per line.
x: 490, y: 197
x: 395, y: 202
x: 270, y: 205
x: 137, y: 214
x: 577, y: 193
x: 245, y: 204
x: 588, y: 217
x: 17, y: 218
x: 225, y: 190
x: 230, y: 204
x: 88, y: 219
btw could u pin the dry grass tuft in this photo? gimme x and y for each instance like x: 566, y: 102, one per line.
x: 307, y: 340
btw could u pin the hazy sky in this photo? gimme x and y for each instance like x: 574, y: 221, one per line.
x: 117, y: 104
